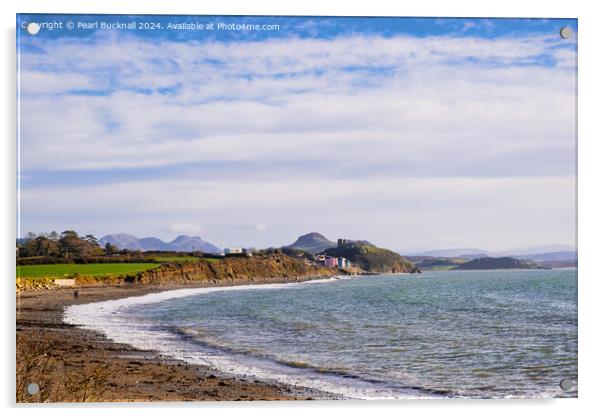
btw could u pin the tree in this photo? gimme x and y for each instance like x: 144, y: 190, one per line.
x: 39, y: 246
x: 91, y: 239
x: 69, y: 234
x: 110, y: 248
x: 72, y: 245
x: 28, y: 249
x: 43, y: 246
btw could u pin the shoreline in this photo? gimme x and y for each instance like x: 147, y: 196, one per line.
x: 80, y: 364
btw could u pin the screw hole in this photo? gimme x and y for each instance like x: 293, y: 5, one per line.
x: 33, y: 388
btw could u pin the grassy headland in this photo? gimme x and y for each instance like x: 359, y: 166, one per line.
x: 71, y: 270
x: 371, y: 258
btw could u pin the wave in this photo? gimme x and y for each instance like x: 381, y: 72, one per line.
x: 111, y: 319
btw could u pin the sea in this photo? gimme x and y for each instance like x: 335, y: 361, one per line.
x: 441, y: 334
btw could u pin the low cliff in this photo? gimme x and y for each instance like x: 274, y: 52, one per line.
x: 276, y: 266
x: 273, y: 267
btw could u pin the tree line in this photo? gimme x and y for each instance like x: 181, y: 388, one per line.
x: 68, y: 245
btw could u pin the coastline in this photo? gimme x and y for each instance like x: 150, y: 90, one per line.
x: 73, y: 364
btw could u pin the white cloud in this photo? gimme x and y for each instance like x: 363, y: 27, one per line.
x: 270, y: 116
x: 426, y: 139
x: 35, y: 81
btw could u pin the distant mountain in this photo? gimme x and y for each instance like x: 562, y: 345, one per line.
x: 371, y: 258
x: 153, y: 244
x: 553, y: 256
x: 312, y: 243
x: 187, y: 243
x: 180, y: 243
x: 454, y: 252
x: 537, y: 254
x: 492, y: 263
x: 122, y: 241
x: 530, y: 251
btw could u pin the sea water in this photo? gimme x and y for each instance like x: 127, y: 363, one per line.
x: 480, y: 334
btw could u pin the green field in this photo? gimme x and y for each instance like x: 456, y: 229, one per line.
x: 175, y: 259
x: 67, y: 270
x: 211, y: 260
x: 181, y: 259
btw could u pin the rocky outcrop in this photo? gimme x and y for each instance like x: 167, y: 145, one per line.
x: 372, y: 259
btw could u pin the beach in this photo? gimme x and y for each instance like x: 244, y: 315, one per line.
x: 341, y: 338
x: 71, y: 364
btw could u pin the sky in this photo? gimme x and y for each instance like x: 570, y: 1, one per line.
x: 412, y: 133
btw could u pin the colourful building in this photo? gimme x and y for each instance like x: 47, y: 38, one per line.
x: 343, y: 263
x: 331, y: 262
x: 340, y: 262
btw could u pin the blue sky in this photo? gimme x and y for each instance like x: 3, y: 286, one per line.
x: 314, y: 27
x: 410, y: 132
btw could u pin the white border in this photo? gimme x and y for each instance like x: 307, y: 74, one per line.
x: 590, y: 209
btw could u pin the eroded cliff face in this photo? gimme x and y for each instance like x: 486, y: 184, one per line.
x: 262, y: 268
x: 273, y: 267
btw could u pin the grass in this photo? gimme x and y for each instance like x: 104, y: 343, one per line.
x: 211, y: 260
x: 68, y: 270
x: 175, y: 259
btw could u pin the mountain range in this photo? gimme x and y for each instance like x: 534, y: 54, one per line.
x: 182, y: 243
x: 558, y: 252
x: 465, y: 253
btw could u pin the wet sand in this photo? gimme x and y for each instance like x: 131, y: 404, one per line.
x: 71, y: 364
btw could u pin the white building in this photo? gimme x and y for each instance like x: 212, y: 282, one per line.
x: 233, y: 250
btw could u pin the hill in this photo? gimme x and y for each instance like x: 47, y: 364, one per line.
x: 312, y: 243
x: 492, y: 263
x: 180, y: 243
x: 436, y: 263
x: 371, y: 258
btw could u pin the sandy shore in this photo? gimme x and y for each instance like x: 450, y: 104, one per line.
x: 74, y: 365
